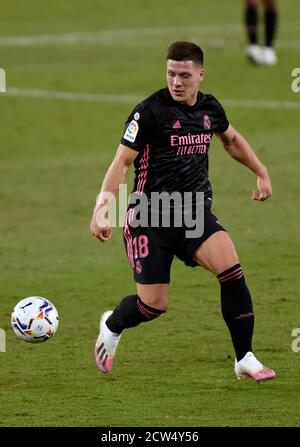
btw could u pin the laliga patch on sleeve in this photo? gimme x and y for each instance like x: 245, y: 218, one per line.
x: 131, y: 131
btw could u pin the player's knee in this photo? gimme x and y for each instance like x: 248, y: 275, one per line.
x: 159, y: 301
x: 226, y: 265
x: 233, y: 260
x: 154, y: 295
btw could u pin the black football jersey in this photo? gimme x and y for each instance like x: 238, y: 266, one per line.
x: 173, y: 141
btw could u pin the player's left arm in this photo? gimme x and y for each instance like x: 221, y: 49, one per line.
x: 239, y: 149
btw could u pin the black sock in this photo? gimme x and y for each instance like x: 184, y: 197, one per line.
x: 270, y: 26
x: 129, y: 313
x: 251, y: 22
x: 237, y: 311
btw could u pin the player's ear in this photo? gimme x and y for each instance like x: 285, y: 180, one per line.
x: 201, y: 74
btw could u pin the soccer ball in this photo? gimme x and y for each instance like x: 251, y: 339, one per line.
x: 34, y: 319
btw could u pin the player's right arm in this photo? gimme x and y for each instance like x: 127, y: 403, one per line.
x: 115, y: 176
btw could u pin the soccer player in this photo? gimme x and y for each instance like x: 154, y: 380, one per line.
x: 261, y: 55
x: 167, y: 137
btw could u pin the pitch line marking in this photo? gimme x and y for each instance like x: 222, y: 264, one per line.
x: 108, y: 36
x: 125, y: 99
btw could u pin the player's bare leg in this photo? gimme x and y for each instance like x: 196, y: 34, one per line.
x: 218, y: 255
x: 154, y: 295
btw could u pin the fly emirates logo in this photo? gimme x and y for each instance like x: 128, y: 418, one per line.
x: 191, y: 144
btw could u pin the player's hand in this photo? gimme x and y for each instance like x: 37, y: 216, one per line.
x: 264, y: 189
x: 100, y: 226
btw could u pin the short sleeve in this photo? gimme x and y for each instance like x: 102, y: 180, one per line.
x: 222, y: 121
x: 137, y: 128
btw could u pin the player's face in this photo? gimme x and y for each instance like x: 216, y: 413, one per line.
x: 183, y: 79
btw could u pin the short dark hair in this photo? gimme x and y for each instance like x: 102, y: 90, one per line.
x: 185, y: 51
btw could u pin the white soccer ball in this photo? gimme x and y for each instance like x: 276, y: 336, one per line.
x: 34, y: 319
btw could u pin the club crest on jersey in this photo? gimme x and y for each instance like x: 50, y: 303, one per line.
x: 206, y: 122
x: 131, y: 131
x: 138, y: 267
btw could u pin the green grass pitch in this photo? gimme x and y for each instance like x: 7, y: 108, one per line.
x: 178, y: 370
